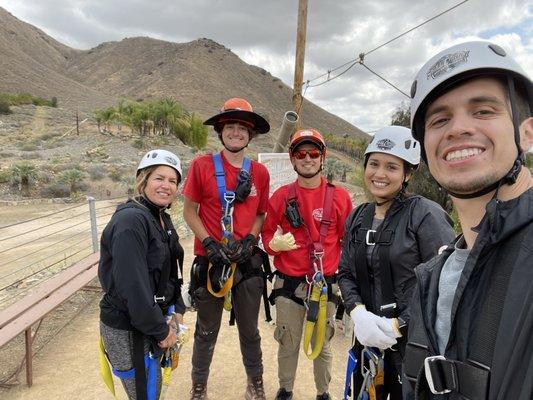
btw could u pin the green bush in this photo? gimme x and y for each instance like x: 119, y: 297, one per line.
x: 24, y: 174
x: 4, y: 107
x: 29, y: 146
x: 5, y: 176
x: 34, y: 155
x: 73, y: 178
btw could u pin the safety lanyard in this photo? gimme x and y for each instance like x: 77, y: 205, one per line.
x: 316, y: 247
x: 226, y: 197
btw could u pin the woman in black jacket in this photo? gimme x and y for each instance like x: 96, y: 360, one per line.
x: 384, y: 241
x: 139, y: 263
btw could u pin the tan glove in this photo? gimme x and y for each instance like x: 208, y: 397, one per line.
x: 283, y: 242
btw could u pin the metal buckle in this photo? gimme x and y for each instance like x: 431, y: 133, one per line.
x: 159, y: 299
x: 367, y: 239
x: 387, y: 306
x: 429, y: 376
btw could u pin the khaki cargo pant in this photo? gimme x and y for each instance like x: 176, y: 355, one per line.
x: 290, y: 318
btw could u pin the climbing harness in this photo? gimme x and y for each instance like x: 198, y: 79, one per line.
x: 227, y: 200
x: 171, y: 357
x: 316, y: 302
x: 145, y: 384
x: 373, y: 372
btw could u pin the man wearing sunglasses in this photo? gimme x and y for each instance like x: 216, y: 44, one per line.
x: 303, y: 231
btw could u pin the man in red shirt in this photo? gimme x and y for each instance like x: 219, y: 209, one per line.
x: 226, y: 198
x: 300, y: 220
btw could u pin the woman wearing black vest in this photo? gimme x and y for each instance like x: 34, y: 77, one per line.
x: 139, y: 263
x: 384, y: 241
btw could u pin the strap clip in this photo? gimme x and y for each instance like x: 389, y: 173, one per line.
x: 435, y: 376
x: 159, y: 299
x: 370, y: 237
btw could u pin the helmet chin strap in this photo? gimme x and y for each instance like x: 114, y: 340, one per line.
x: 309, y: 177
x: 233, y: 150
x: 508, y: 179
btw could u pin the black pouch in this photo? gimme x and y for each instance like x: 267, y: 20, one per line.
x: 293, y: 214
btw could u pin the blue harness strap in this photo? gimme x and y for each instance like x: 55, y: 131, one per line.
x: 151, y: 364
x: 350, y: 368
x: 225, y: 196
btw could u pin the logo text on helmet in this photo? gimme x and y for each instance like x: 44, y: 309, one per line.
x: 385, y: 144
x: 306, y: 133
x: 447, y: 63
x: 171, y: 160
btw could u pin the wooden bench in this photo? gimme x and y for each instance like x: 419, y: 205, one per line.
x: 20, y: 316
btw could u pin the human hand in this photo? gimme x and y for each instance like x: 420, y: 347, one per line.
x: 170, y: 340
x: 283, y: 242
x: 215, y: 252
x: 246, y: 249
x: 371, y: 330
x: 392, y: 327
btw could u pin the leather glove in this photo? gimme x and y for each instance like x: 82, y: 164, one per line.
x: 283, y: 242
x: 247, y: 245
x: 215, y: 252
x: 371, y: 330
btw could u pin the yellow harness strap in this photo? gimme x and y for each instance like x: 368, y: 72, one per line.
x: 105, y: 371
x: 317, y: 327
x: 227, y: 286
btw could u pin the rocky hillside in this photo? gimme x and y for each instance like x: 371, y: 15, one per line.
x: 200, y: 74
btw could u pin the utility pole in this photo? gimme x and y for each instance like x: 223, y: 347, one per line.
x: 291, y: 120
x: 300, y: 57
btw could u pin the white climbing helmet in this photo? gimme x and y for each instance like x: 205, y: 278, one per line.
x: 455, y: 64
x: 160, y: 157
x: 397, y: 141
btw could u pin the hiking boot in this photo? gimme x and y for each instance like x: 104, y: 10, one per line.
x: 255, y: 390
x: 198, y: 391
x: 323, y: 396
x: 283, y: 395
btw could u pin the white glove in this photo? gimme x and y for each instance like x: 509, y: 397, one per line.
x: 393, y: 327
x: 283, y: 242
x: 371, y: 330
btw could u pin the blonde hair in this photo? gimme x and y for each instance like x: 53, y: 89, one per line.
x: 142, y: 180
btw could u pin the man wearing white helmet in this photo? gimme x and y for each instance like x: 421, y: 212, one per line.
x: 384, y: 241
x: 226, y: 197
x: 303, y: 231
x: 140, y: 263
x: 471, y: 317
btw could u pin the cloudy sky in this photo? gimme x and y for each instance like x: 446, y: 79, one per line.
x: 263, y: 32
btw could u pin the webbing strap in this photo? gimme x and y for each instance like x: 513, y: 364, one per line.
x: 315, y: 325
x: 138, y: 364
x: 221, y: 179
x: 361, y: 265
x: 351, y: 366
x: 325, y: 222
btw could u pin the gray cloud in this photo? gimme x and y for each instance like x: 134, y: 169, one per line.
x: 264, y: 32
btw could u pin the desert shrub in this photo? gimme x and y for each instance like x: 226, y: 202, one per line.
x: 6, y: 154
x: 97, y: 172
x: 29, y: 146
x: 31, y: 155
x: 4, y: 107
x: 73, y: 178
x: 24, y: 174
x: 55, y: 189
x: 5, y: 176
x: 139, y: 143
x: 115, y: 173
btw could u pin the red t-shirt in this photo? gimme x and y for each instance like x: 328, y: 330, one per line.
x: 201, y: 187
x: 310, y: 202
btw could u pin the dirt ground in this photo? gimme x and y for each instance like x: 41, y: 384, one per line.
x: 66, y: 365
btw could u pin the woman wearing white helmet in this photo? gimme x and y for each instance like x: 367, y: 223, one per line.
x: 140, y: 262
x: 384, y: 241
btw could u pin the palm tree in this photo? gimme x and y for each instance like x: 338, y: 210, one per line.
x: 72, y: 177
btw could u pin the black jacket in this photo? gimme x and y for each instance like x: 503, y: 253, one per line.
x: 134, y: 250
x: 423, y: 227
x: 492, y: 312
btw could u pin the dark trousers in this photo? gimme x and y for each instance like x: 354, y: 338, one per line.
x: 246, y: 299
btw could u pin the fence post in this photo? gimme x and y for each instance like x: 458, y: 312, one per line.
x: 94, y: 228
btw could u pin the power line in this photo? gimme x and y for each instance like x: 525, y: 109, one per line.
x: 380, y: 77
x: 361, y: 56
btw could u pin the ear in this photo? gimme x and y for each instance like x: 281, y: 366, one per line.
x: 408, y: 175
x: 526, y: 134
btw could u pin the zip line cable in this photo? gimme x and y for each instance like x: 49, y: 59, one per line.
x: 361, y: 56
x: 380, y: 77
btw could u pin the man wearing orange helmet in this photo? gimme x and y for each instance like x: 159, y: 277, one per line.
x: 226, y: 197
x: 303, y: 231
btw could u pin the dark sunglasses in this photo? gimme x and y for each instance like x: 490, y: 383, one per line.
x: 300, y: 154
